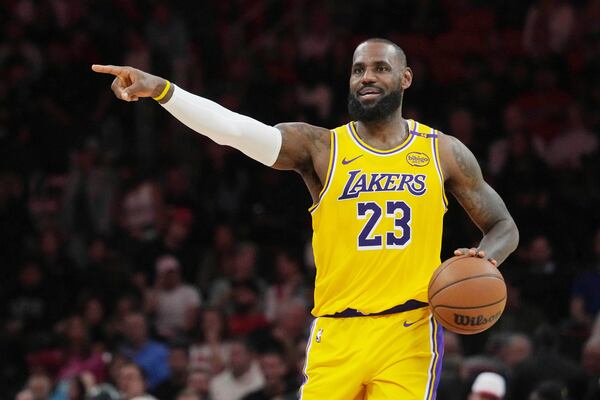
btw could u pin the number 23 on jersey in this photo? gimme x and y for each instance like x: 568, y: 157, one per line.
x: 373, y: 213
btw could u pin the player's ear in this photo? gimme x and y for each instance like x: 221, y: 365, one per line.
x: 406, y: 80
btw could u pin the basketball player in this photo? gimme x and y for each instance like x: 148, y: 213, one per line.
x: 378, y: 185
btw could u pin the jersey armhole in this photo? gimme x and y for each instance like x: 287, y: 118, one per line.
x: 438, y: 165
x: 330, y: 171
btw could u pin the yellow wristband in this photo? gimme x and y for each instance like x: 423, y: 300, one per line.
x: 164, y: 92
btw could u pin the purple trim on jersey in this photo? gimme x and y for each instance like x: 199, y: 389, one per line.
x: 440, y: 349
x: 357, y: 140
x: 435, y: 363
x: 425, y: 135
x: 308, y: 345
x: 330, y: 172
x: 439, y: 167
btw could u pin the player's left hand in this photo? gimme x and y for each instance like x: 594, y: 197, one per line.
x: 473, y: 252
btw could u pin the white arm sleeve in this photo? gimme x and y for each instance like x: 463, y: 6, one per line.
x: 253, y: 138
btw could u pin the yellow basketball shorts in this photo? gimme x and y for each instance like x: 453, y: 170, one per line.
x: 391, y: 357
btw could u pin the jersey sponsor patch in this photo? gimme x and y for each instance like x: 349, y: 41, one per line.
x: 417, y: 159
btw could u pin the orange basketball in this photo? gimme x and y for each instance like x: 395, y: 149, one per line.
x: 467, y: 294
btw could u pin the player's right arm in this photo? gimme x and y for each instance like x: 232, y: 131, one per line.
x: 296, y: 146
x: 483, y: 204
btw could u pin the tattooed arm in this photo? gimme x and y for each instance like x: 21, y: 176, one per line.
x: 305, y: 149
x: 485, y: 207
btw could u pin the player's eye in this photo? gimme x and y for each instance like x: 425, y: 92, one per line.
x: 383, y: 68
x: 357, y: 70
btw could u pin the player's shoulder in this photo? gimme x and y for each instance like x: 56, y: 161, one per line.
x: 449, y: 145
x: 422, y: 130
x: 301, y: 144
x: 452, y: 152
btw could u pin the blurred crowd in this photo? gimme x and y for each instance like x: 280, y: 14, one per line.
x: 140, y: 260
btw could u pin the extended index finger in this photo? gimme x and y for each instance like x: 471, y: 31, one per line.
x: 108, y: 69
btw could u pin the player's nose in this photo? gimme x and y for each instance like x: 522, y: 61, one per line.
x: 368, y: 77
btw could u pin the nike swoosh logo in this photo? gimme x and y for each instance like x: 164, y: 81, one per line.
x: 344, y: 161
x: 406, y: 324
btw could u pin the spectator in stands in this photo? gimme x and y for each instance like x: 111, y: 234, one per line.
x: 143, y: 211
x: 126, y: 304
x: 517, y: 169
x: 174, y: 304
x: 93, y: 313
x: 151, y: 356
x: 89, y: 194
x: 31, y: 305
x: 131, y: 382
x: 24, y: 395
x: 590, y: 361
x: 39, y: 386
x: 106, y: 275
x: 168, y: 37
x: 475, y: 364
x: 199, y: 382
x: 218, y: 258
x: 177, y: 241
x: 461, y: 124
x: 291, y: 324
x: 546, y: 363
x: 178, y: 188
x: 550, y: 390
x: 178, y: 365
x: 243, y: 268
x: 519, y: 315
x: 188, y: 395
x: 544, y: 103
x: 514, y: 348
x: 501, y: 149
x: 573, y: 143
x: 247, y: 315
x: 53, y: 260
x: 488, y: 386
x: 77, y: 389
x: 212, y: 349
x: 242, y: 376
x: 78, y: 355
x: 279, y: 383
x: 289, y: 284
x: 585, y: 295
x: 548, y: 27
x: 546, y: 281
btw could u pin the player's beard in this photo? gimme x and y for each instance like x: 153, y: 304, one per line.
x: 379, y: 111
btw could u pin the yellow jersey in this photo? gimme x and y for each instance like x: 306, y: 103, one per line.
x: 377, y: 225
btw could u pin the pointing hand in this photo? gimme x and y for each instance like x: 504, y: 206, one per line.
x: 130, y: 83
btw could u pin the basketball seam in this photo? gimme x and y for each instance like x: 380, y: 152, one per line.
x: 446, y: 266
x: 465, y: 279
x: 471, y: 307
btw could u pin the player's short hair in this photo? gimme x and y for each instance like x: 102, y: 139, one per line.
x: 398, y: 49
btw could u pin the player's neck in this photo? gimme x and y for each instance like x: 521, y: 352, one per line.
x: 389, y: 132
